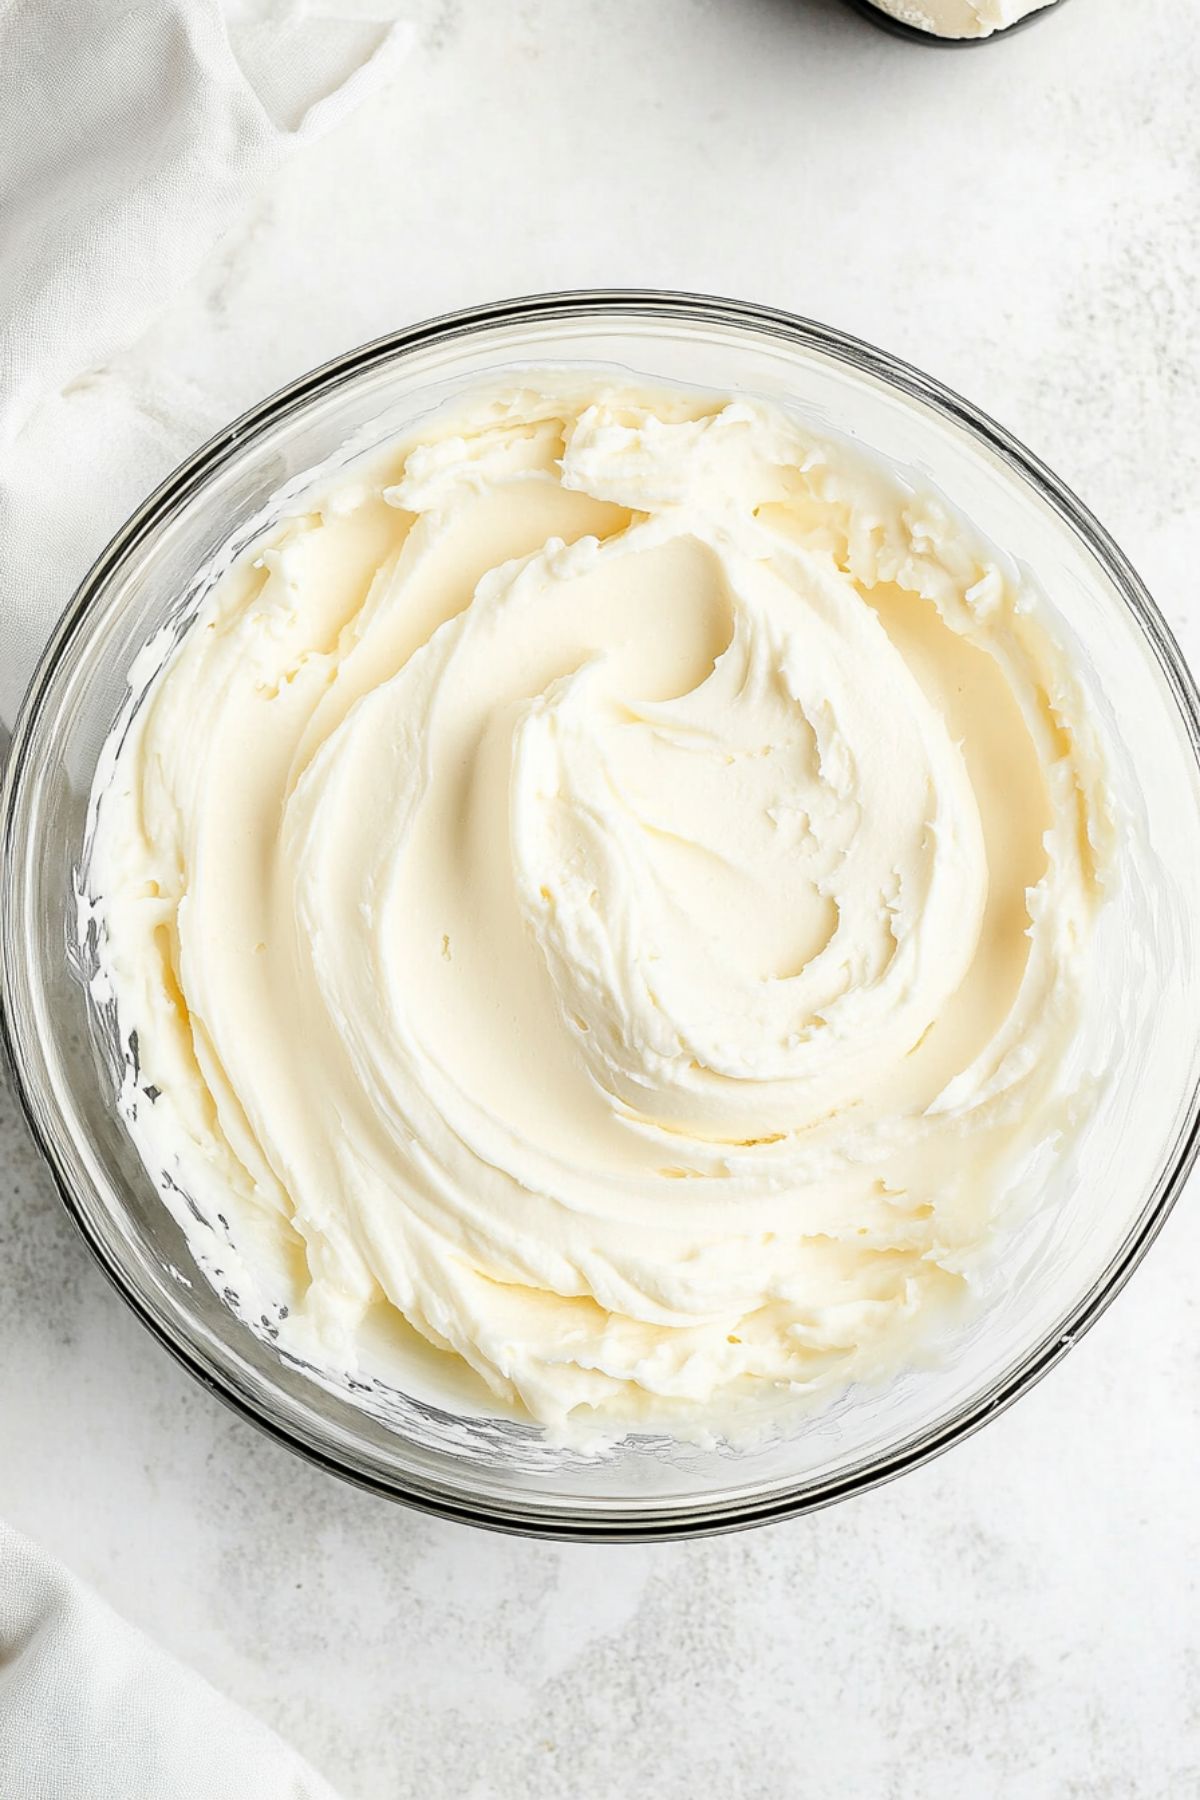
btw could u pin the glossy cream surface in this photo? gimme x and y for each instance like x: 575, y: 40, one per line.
x: 608, y: 882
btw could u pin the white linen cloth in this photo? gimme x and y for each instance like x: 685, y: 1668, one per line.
x: 91, y: 1710
x: 132, y: 134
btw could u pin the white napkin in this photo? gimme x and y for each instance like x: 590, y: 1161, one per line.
x: 133, y: 136
x: 91, y: 1710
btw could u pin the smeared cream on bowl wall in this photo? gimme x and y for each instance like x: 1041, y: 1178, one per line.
x: 610, y: 880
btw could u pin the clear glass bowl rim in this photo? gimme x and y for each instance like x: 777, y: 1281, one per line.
x: 650, y: 306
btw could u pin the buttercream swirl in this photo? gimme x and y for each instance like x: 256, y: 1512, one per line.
x: 610, y: 880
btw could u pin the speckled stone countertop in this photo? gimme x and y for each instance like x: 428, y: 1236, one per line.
x: 1022, y: 1618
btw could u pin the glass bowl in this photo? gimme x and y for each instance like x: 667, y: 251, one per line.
x: 503, y: 1473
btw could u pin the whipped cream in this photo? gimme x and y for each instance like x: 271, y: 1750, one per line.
x: 607, y: 882
x: 961, y: 18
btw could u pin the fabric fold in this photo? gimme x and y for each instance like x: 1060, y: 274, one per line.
x: 90, y: 1707
x: 137, y: 136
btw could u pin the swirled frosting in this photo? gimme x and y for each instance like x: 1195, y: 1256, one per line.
x: 608, y: 879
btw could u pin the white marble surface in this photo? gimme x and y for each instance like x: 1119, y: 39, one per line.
x: 1023, y: 1617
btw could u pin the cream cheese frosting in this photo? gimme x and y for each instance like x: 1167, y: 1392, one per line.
x: 607, y: 879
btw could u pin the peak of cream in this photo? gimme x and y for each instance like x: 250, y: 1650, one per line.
x: 608, y: 881
x: 961, y: 18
